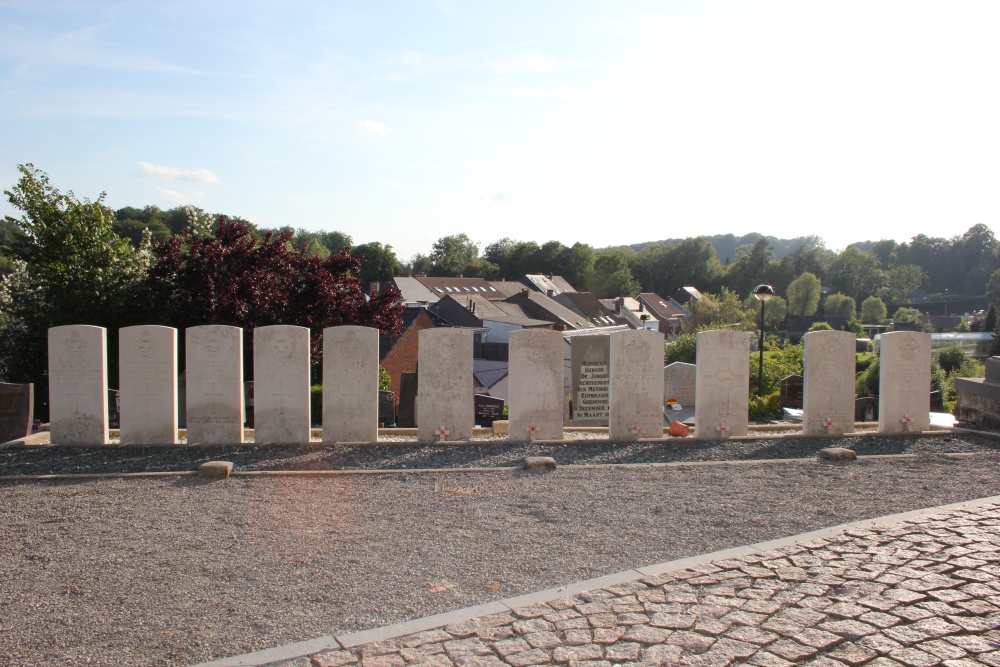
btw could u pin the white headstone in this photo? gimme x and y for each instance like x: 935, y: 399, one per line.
x: 636, y: 385
x: 679, y: 382
x: 281, y: 404
x: 722, y: 384
x: 904, y: 382
x: 214, y: 360
x: 444, y: 385
x: 536, y: 385
x: 350, y: 384
x: 147, y: 377
x: 828, y: 396
x: 78, y: 385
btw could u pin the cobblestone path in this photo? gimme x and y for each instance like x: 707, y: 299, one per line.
x: 918, y: 594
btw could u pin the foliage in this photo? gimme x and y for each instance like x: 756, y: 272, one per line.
x: 316, y: 404
x: 993, y: 288
x: 780, y: 362
x: 682, y: 348
x: 821, y: 326
x: 724, y: 310
x: 863, y: 363
x: 839, y: 305
x: 451, y: 255
x: 951, y: 358
x: 237, y: 278
x: 970, y: 368
x: 803, y: 294
x: 857, y: 274
x: 995, y: 345
x: 903, y: 279
x: 775, y: 310
x: 873, y: 311
x: 378, y: 262
x: 612, y: 276
x: 867, y: 381
x: 764, y: 409
x: 754, y: 265
x: 664, y: 269
x: 384, y: 379
x: 906, y: 315
x: 854, y: 325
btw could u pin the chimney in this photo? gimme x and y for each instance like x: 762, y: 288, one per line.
x: 619, y: 304
x: 550, y: 292
x: 524, y: 292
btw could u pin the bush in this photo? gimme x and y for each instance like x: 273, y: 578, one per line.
x: 683, y: 348
x: 862, y: 364
x: 951, y: 358
x: 821, y: 326
x: 316, y: 404
x: 867, y: 380
x: 765, y: 408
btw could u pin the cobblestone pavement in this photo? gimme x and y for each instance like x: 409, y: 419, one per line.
x: 919, y: 593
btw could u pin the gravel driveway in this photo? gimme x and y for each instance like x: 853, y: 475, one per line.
x: 173, y: 571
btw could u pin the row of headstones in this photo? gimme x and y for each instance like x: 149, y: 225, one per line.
x: 214, y: 396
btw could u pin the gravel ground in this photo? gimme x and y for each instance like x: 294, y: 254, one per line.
x: 177, y: 571
x: 36, y: 460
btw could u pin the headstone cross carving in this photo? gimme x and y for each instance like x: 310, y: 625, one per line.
x: 441, y: 432
x: 723, y: 430
x: 907, y: 421
x: 532, y: 430
x: 828, y: 423
x: 638, y: 431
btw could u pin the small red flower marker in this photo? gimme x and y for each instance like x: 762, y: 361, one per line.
x: 441, y: 432
x: 828, y: 423
x: 638, y: 431
x: 723, y: 430
x: 532, y: 430
x: 907, y: 421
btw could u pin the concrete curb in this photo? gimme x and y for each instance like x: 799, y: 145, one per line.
x: 441, y: 471
x: 349, y: 640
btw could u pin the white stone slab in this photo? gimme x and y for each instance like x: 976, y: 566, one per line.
x: 636, y: 388
x: 444, y: 385
x: 904, y: 382
x: 281, y: 406
x: 147, y: 380
x: 536, y: 385
x: 590, y: 357
x: 828, y: 378
x: 78, y: 385
x: 214, y: 395
x: 679, y: 383
x: 722, y: 384
x: 350, y: 384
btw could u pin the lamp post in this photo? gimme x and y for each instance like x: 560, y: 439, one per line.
x: 763, y: 293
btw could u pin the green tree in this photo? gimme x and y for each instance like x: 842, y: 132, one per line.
x: 906, y: 315
x: 839, y: 305
x: 854, y: 325
x: 579, y: 263
x: 775, y: 310
x: 378, y: 262
x: 951, y: 358
x: 803, y: 295
x: 752, y: 267
x: 993, y: 288
x: 682, y: 348
x: 724, y: 310
x: 857, y: 274
x: 873, y: 310
x: 821, y: 326
x: 452, y: 254
x: 902, y: 280
x: 612, y: 276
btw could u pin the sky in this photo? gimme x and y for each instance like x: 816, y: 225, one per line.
x: 604, y: 122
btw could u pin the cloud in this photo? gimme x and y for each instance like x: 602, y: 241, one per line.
x: 371, y: 128
x: 175, y: 197
x: 160, y: 173
x: 499, y: 197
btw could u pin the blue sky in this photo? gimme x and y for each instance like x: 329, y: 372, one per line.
x: 606, y: 122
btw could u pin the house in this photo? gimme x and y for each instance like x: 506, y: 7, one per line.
x: 399, y: 355
x: 425, y: 290
x: 670, y: 314
x: 548, y: 285
x: 589, y: 306
x: 685, y: 294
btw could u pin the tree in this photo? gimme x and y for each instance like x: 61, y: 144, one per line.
x: 873, y: 310
x: 993, y: 288
x: 378, y: 262
x: 855, y: 327
x: 753, y: 266
x: 903, y: 279
x: 839, y: 305
x: 821, y: 326
x: 857, y: 274
x: 682, y: 348
x: 724, y: 310
x: 70, y: 268
x: 451, y: 254
x: 803, y: 295
x: 775, y: 310
x: 611, y: 276
x: 237, y: 278
x: 906, y: 315
x: 951, y: 358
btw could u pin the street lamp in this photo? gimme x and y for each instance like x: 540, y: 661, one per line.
x: 763, y: 293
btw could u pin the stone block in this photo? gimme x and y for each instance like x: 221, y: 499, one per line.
x: 17, y: 403
x: 536, y: 385
x: 590, y: 363
x: 281, y: 399
x: 539, y: 463
x: 904, y: 382
x: 78, y: 385
x: 722, y: 384
x: 501, y: 427
x: 679, y: 383
x: 214, y: 379
x: 636, y: 388
x: 828, y: 396
x: 350, y: 384
x: 837, y: 454
x: 215, y: 469
x: 147, y: 373
x: 444, y: 380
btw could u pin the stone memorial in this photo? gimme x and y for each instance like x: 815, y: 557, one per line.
x: 791, y: 391
x: 828, y: 401
x: 722, y: 384
x: 444, y: 401
x: 281, y: 399
x: 147, y: 372
x: 114, y: 409
x: 978, y: 403
x: 214, y: 367
x: 78, y: 385
x: 350, y: 384
x: 17, y: 407
x: 590, y: 358
x: 679, y: 383
x: 636, y: 387
x: 536, y: 385
x: 904, y: 382
x: 406, y: 417
x: 866, y: 409
x: 386, y: 409
x: 248, y: 404
x: 487, y: 409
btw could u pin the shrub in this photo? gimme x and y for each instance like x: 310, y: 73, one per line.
x: 683, y: 348
x: 951, y: 358
x: 765, y: 408
x: 316, y: 404
x: 821, y: 326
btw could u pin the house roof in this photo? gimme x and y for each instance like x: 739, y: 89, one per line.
x: 408, y: 317
x: 587, y: 305
x: 662, y: 309
x: 507, y: 288
x: 623, y: 314
x: 547, y: 283
x: 442, y: 286
x: 685, y: 294
x: 596, y: 331
x: 537, y: 305
x: 474, y: 310
x: 413, y: 291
